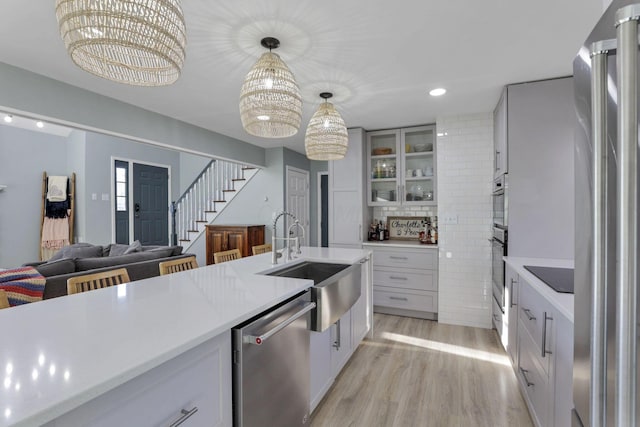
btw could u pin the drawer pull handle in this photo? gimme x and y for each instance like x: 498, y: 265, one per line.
x: 528, y: 313
x: 524, y: 373
x: 398, y: 257
x: 544, y: 334
x: 400, y: 298
x: 397, y: 278
x: 185, y: 415
x: 511, y: 303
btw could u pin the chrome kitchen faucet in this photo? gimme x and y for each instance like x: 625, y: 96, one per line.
x: 287, y: 240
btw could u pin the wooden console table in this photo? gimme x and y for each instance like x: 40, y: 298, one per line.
x: 225, y: 237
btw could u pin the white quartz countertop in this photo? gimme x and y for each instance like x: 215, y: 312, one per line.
x: 414, y: 244
x: 561, y: 301
x: 60, y: 353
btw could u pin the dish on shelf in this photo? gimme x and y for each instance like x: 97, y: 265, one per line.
x: 381, y: 151
x: 384, y: 196
x: 419, y: 148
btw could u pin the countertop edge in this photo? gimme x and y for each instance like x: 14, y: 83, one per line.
x: 401, y: 244
x: 562, y: 302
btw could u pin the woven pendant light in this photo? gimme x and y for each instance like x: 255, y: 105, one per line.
x: 270, y: 101
x: 136, y: 42
x: 326, y: 137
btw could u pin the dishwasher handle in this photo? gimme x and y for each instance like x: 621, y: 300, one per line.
x: 258, y: 340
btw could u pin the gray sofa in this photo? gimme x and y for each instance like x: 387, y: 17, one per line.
x: 141, y: 263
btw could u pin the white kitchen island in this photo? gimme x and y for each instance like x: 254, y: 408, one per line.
x: 75, y: 353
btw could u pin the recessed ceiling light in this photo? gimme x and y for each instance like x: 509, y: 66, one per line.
x: 39, y: 124
x: 8, y: 118
x: 437, y: 92
x: 263, y: 118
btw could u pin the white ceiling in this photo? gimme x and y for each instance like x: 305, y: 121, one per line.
x: 378, y: 57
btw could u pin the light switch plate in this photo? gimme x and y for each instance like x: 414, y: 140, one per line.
x: 105, y: 197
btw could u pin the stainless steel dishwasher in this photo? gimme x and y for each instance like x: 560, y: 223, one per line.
x: 271, y: 366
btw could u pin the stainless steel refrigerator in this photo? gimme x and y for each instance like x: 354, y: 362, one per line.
x: 605, y: 374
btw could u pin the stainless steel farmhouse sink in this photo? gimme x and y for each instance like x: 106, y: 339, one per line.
x: 336, y: 288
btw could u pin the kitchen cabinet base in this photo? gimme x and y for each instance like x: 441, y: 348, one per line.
x: 406, y: 313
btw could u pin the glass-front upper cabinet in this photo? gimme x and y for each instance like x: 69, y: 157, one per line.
x: 402, y: 166
x: 384, y: 167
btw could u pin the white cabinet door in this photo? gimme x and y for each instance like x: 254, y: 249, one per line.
x: 541, y: 171
x: 500, y: 143
x: 321, y: 369
x: 511, y: 314
x: 563, y: 371
x: 346, y: 200
x: 199, y: 378
x: 341, y: 343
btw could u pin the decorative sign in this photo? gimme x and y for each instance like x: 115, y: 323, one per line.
x: 406, y: 227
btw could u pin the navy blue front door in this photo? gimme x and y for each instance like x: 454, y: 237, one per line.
x: 150, y: 204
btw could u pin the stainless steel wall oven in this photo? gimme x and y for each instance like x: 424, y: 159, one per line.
x: 499, y: 246
x: 500, y: 202
x: 498, y: 250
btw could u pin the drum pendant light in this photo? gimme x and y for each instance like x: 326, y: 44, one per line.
x: 270, y: 101
x: 136, y: 42
x: 326, y: 137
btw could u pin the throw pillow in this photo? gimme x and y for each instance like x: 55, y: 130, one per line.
x: 117, y: 249
x: 56, y: 268
x: 134, y: 247
x: 163, y: 251
x: 175, y: 250
x: 22, y: 285
x: 78, y: 250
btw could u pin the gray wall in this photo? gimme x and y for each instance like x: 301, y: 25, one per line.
x: 24, y: 155
x: 99, y: 151
x: 190, y: 167
x: 76, y: 155
x: 87, y: 154
x: 28, y: 92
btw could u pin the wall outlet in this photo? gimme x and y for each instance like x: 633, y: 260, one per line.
x: 448, y: 219
x: 94, y: 196
x: 105, y: 197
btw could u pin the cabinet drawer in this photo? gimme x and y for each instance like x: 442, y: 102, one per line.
x: 405, y: 279
x: 532, y: 313
x: 423, y: 301
x: 406, y: 258
x: 200, y: 378
x: 534, y: 380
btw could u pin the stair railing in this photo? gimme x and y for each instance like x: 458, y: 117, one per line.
x: 201, y: 197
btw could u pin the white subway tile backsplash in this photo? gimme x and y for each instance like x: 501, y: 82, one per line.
x: 465, y: 171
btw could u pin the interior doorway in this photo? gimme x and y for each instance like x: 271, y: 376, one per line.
x: 141, y: 202
x: 297, y: 200
x: 323, y: 209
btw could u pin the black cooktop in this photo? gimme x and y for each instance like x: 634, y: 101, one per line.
x: 559, y: 279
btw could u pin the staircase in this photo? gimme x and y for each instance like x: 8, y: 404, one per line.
x: 209, y: 194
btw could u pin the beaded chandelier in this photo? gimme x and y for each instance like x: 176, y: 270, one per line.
x: 270, y: 101
x: 136, y: 42
x: 326, y: 137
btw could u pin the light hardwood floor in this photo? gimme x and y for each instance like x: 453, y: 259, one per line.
x: 421, y: 373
